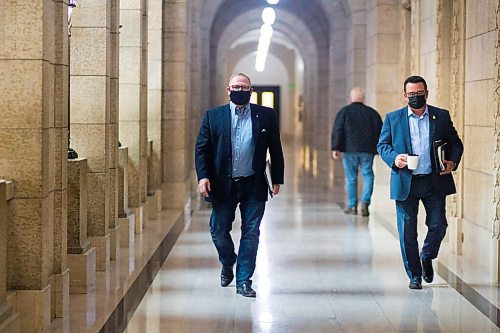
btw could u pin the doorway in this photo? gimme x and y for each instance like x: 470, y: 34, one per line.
x: 267, y: 96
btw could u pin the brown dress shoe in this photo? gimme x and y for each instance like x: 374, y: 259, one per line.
x: 364, y: 210
x: 351, y: 210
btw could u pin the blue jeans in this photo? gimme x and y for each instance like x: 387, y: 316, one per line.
x: 352, y: 162
x: 407, y: 210
x: 221, y: 221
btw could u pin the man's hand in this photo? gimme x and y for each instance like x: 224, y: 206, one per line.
x: 450, y: 165
x: 204, y: 186
x: 336, y: 154
x: 276, y: 189
x: 400, y: 161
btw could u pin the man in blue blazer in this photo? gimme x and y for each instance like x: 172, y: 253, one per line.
x: 230, y: 159
x: 414, y: 129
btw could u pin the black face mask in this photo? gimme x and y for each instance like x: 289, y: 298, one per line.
x: 240, y: 97
x: 416, y: 102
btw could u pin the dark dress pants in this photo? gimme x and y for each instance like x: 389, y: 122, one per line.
x: 221, y: 221
x: 407, y: 210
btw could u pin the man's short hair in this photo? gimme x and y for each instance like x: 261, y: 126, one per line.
x: 414, y: 79
x: 240, y: 74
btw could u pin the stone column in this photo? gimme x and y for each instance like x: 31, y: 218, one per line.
x: 133, y: 102
x: 154, y: 103
x: 176, y: 151
x: 126, y: 219
x: 82, y: 257
x: 27, y: 153
x: 90, y: 113
x: 60, y: 279
x: 383, y: 86
x: 113, y: 129
x: 9, y: 321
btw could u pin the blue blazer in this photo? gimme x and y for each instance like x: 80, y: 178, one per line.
x: 395, y: 139
x: 213, y: 153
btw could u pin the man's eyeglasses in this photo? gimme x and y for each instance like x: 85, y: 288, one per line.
x: 239, y: 88
x: 416, y: 93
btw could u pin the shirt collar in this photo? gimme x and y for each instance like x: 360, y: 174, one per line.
x: 426, y: 112
x: 235, y: 110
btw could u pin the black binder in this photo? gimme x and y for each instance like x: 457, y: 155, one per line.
x: 269, y: 180
x: 438, y: 147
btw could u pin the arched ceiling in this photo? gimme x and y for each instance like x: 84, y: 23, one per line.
x: 309, y: 13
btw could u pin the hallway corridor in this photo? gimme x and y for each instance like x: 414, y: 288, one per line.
x: 318, y: 270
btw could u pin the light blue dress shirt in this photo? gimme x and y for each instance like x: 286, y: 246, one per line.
x: 420, y: 141
x: 241, y: 141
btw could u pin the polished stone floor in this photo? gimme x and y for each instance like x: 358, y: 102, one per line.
x: 318, y: 270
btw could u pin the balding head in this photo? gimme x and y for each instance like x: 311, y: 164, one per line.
x: 357, y: 95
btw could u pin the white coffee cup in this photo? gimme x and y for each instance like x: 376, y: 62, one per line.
x: 412, y: 161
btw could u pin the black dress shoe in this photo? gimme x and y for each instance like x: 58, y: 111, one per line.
x: 428, y: 271
x: 415, y: 283
x: 226, y: 276
x: 245, y: 289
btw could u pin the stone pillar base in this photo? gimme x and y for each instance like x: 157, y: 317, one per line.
x: 152, y: 202
x: 127, y: 230
x: 82, y: 269
x: 60, y: 294
x: 33, y: 307
x: 158, y: 201
x: 139, y: 213
x: 9, y: 321
x: 114, y: 234
x: 102, y: 250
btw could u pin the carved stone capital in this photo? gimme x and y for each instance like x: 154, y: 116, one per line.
x: 406, y: 4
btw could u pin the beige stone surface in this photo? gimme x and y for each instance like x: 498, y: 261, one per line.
x: 21, y: 79
x: 114, y: 234
x: 131, y: 30
x: 89, y: 51
x: 174, y: 194
x: 475, y: 158
x: 34, y: 307
x: 60, y: 294
x: 139, y: 218
x: 30, y: 246
x: 174, y: 11
x: 122, y: 181
x: 11, y: 324
x: 479, y: 103
x: 82, y: 272
x: 127, y: 231
x: 90, y: 141
x: 60, y: 230
x: 89, y: 99
x: 478, y: 196
x: 174, y: 105
x: 130, y: 69
x: 91, y: 14
x: 129, y: 103
x: 177, y: 70
x: 476, y: 244
x: 77, y: 206
x: 102, y: 248
x: 98, y: 204
x: 3, y: 241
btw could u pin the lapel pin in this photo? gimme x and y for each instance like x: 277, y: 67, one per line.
x: 434, y: 117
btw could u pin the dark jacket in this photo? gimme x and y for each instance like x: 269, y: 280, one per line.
x: 213, y: 155
x: 356, y: 129
x: 395, y: 139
